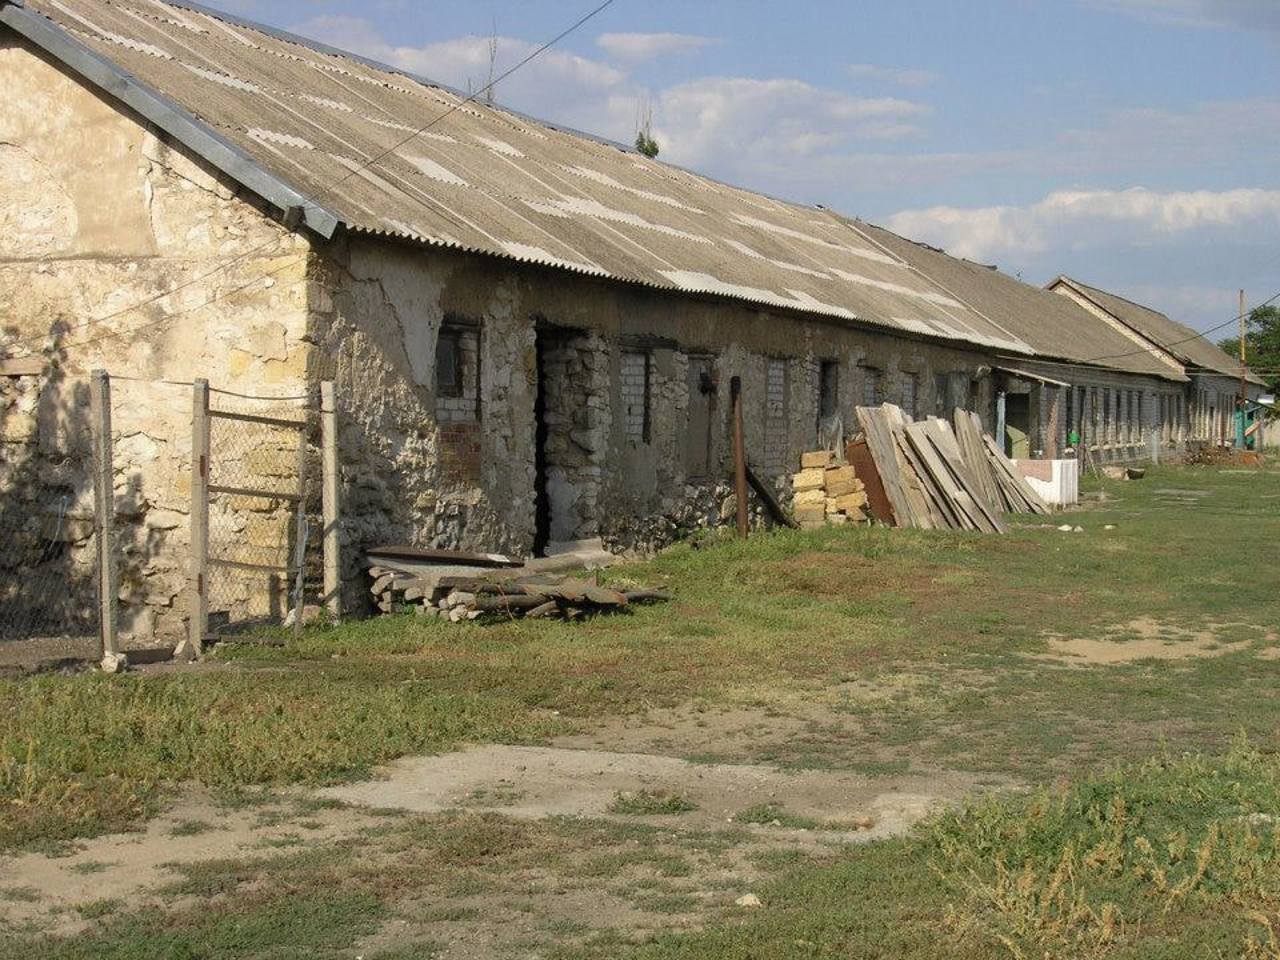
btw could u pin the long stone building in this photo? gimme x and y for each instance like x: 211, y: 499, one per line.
x: 532, y: 331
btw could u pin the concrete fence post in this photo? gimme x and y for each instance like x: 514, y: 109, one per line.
x: 198, y: 584
x: 330, y: 491
x: 104, y: 515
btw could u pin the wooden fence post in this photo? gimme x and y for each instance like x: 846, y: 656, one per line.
x: 104, y: 515
x: 330, y: 488
x: 198, y: 587
x: 739, y: 459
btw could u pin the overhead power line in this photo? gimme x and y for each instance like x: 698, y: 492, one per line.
x: 1196, y: 336
x: 353, y: 171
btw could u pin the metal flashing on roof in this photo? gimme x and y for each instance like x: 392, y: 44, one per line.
x: 164, y: 113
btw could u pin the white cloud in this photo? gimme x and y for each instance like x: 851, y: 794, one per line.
x: 1066, y: 218
x: 643, y: 47
x: 569, y: 88
x: 749, y: 124
x: 1242, y: 14
x: 900, y: 76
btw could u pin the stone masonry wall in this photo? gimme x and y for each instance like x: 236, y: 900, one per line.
x: 98, y: 213
x: 616, y: 358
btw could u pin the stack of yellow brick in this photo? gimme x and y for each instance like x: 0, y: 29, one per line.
x: 827, y: 492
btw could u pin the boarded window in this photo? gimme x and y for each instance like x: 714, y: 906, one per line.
x: 941, y: 394
x: 910, y: 394
x: 458, y: 374
x: 776, y: 421
x: 637, y: 370
x: 828, y: 389
x: 449, y: 363
x: 872, y: 391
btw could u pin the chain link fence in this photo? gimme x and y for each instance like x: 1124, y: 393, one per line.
x: 264, y: 564
x: 49, y: 557
x: 217, y: 514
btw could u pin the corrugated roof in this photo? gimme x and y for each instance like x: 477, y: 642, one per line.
x: 1176, y: 338
x: 1054, y: 325
x: 487, y: 180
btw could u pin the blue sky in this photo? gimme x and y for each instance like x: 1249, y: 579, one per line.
x: 1134, y: 144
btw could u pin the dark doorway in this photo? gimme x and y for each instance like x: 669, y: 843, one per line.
x: 1017, y: 425
x: 541, y: 500
x: 571, y: 435
x: 702, y: 398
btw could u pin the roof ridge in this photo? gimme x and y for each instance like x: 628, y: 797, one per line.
x: 1128, y: 300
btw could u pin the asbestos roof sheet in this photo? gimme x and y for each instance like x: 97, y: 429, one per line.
x: 486, y: 180
x: 1053, y: 325
x: 1178, y: 339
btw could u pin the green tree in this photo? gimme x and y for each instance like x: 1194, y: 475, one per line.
x: 646, y: 144
x: 1262, y: 344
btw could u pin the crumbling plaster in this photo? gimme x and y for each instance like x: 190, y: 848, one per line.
x: 378, y: 308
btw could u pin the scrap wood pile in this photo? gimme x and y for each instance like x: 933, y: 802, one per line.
x: 827, y: 492
x: 930, y: 476
x: 457, y: 587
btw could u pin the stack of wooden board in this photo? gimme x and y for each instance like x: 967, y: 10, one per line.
x: 827, y: 492
x: 464, y: 598
x: 934, y: 478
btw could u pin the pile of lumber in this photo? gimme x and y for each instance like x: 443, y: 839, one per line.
x: 928, y: 476
x: 1003, y: 485
x: 827, y: 492
x: 536, y: 597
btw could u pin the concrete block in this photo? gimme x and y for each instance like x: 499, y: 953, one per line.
x: 844, y: 488
x: 809, y: 480
x: 811, y: 514
x: 840, y: 475
x: 851, y: 503
x: 810, y: 498
x: 815, y: 460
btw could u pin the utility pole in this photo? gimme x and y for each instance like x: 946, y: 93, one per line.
x: 1244, y: 394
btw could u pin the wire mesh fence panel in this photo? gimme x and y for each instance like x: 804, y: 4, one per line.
x: 48, y: 546
x: 262, y: 536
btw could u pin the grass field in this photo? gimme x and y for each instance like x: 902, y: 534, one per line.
x: 1124, y: 677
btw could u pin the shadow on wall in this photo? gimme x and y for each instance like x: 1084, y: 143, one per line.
x: 48, y: 544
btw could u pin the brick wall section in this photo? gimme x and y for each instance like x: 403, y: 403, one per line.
x: 776, y: 423
x: 635, y: 395
x: 459, y: 417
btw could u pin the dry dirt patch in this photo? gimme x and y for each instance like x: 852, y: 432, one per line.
x: 123, y: 866
x: 537, y: 782
x: 1146, y: 639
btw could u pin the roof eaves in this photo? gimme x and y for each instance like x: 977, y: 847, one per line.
x: 834, y: 318
x: 165, y: 114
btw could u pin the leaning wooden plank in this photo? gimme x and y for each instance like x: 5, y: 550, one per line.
x: 986, y: 519
x: 455, y: 557
x: 1034, y: 502
x: 770, y: 502
x: 968, y: 436
x: 932, y: 513
x: 858, y: 453
x: 947, y: 495
x: 880, y: 446
x: 948, y: 448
